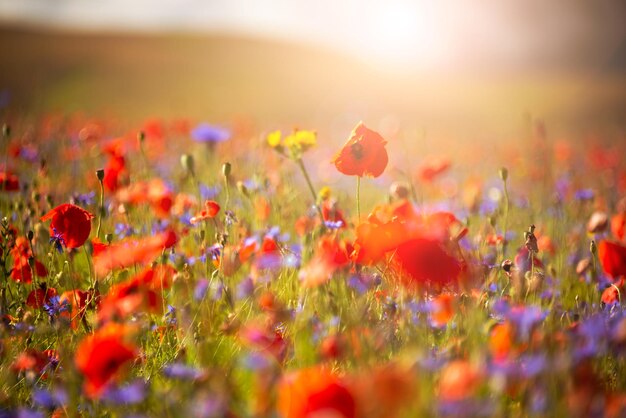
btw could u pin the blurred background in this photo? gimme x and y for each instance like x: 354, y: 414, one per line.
x: 477, y: 70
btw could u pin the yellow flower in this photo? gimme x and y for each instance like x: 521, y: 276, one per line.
x: 325, y: 193
x: 273, y: 139
x: 301, y: 140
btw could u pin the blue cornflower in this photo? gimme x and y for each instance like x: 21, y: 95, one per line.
x: 206, y: 133
x: 54, y: 306
x: 58, y: 240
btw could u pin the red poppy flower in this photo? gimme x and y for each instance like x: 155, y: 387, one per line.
x: 211, y: 209
x: 270, y: 342
x: 141, y: 292
x: 155, y: 192
x: 618, y: 225
x: 9, y: 182
x: 21, y: 271
x: 100, y: 357
x: 128, y: 253
x: 34, y: 360
x: 432, y: 167
x: 611, y: 295
x: 363, y: 155
x: 314, y: 392
x: 425, y: 261
x: 39, y: 297
x: 76, y: 301
x: 613, y: 258
x: 70, y: 223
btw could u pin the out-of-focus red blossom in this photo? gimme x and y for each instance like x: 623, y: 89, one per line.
x: 442, y: 310
x: 459, y: 380
x: 9, y: 182
x: 182, y: 203
x: 305, y: 224
x: 426, y: 261
x: 611, y: 295
x: 494, y: 239
x: 420, y: 244
x: 39, y: 297
x: 154, y: 192
x: 34, y: 360
x: 602, y: 158
x: 97, y: 247
x: 618, y: 225
x: 332, y: 213
x: 101, y: 356
x: 141, y: 292
x: 501, y: 341
x: 432, y: 167
x: 266, y: 340
x: 114, y: 172
x: 612, y: 256
x: 21, y: 271
x: 76, y: 301
x: 563, y: 151
x: 130, y: 252
x: 546, y: 244
x: 211, y: 209
x: 332, y: 347
x: 384, y: 391
x: 262, y: 208
x: 364, y: 154
x: 70, y: 222
x: 312, y: 392
x: 330, y: 255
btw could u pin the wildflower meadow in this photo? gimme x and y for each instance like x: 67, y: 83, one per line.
x: 185, y: 268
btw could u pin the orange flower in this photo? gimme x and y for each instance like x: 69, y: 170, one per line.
x: 211, y: 209
x: 363, y: 155
x: 70, y: 223
x: 314, y: 392
x: 443, y: 310
x: 100, y: 357
x: 501, y: 340
x: 132, y: 252
x: 459, y: 380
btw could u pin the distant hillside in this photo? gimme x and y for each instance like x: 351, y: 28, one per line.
x: 218, y: 77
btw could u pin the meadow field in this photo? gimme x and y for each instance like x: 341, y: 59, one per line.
x: 219, y: 226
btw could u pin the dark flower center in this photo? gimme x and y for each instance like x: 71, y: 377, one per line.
x: 357, y: 150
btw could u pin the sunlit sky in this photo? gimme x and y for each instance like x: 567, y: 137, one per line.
x: 426, y: 34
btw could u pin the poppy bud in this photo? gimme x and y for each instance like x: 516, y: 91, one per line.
x: 30, y: 235
x: 100, y: 174
x: 6, y: 130
x: 141, y: 136
x: 108, y: 238
x: 243, y: 189
x: 399, y: 190
x: 507, y: 265
x: 503, y: 173
x: 593, y: 248
x: 226, y: 169
x: 187, y: 162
